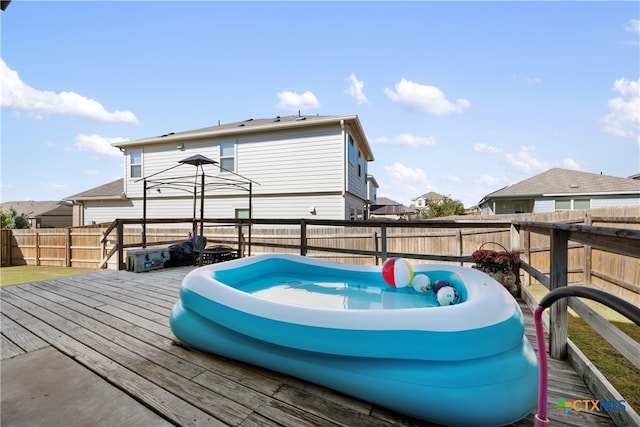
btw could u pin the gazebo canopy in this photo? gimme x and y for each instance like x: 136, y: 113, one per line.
x: 189, y: 183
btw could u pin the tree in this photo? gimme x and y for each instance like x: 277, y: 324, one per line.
x: 442, y: 207
x: 11, y: 219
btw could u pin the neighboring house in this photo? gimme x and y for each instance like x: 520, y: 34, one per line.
x: 372, y: 192
x: 105, y: 197
x: 385, y: 208
x: 421, y: 201
x: 302, y: 166
x: 561, y: 189
x: 49, y: 214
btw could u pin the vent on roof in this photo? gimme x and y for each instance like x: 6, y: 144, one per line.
x: 241, y: 124
x: 300, y: 118
x: 277, y: 119
x: 573, y: 185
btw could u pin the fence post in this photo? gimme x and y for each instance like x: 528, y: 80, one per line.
x: 586, y: 278
x: 459, y: 244
x: 37, y: 248
x: 514, y: 232
x: 240, y: 240
x: 120, y: 243
x: 559, y: 255
x: 67, y: 247
x: 526, y: 256
x: 374, y: 236
x: 383, y: 242
x: 303, y: 238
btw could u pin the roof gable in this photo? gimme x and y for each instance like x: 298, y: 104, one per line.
x: 35, y: 209
x: 431, y: 195
x: 110, y: 190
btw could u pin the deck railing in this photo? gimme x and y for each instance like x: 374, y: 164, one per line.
x: 552, y: 254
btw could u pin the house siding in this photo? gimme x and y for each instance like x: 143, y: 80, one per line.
x: 297, y: 171
x: 544, y: 205
x: 292, y: 206
x: 607, y: 202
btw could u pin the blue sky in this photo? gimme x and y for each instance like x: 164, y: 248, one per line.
x: 460, y: 98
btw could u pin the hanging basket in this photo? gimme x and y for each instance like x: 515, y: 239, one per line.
x: 502, y: 265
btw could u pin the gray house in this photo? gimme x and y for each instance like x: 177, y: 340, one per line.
x: 561, y: 189
x: 302, y: 167
x: 45, y: 214
x: 422, y: 200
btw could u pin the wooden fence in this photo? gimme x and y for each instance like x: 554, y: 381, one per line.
x: 353, y: 242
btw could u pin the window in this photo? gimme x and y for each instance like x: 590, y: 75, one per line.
x: 563, y: 205
x: 135, y: 163
x: 582, y: 204
x: 352, y: 150
x: 359, y: 163
x: 228, y: 156
x: 242, y: 213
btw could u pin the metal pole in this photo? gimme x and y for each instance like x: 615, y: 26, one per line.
x: 202, y: 204
x: 250, y: 213
x: 144, y: 215
x: 195, y: 192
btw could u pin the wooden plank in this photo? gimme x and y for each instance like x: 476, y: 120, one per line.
x: 8, y: 349
x: 106, y: 315
x: 19, y: 336
x: 160, y: 400
x: 229, y: 411
x: 559, y: 321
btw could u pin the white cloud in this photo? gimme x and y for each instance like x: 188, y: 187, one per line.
x: 18, y: 96
x: 355, y: 90
x: 523, y: 162
x: 486, y: 148
x: 534, y: 81
x: 624, y: 119
x: 295, y: 101
x: 402, y: 173
x: 488, y: 181
x: 633, y: 26
x: 55, y: 186
x: 98, y: 144
x: 404, y: 182
x: 429, y: 99
x: 90, y: 172
x: 571, y: 164
x: 453, y: 179
x: 406, y: 139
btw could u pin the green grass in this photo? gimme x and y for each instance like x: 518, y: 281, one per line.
x: 29, y: 273
x: 621, y: 373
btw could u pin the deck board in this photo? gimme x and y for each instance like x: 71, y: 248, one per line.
x: 115, y: 323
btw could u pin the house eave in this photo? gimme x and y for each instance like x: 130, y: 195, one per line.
x: 96, y: 198
x: 225, y: 131
x: 593, y: 193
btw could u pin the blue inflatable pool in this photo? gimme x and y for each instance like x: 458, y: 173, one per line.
x: 343, y: 327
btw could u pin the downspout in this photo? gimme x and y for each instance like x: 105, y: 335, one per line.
x: 345, y: 159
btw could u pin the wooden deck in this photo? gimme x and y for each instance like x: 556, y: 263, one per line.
x: 115, y: 323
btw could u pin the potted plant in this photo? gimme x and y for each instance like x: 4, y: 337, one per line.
x: 503, y: 266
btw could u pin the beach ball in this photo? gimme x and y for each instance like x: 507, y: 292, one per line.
x: 421, y: 283
x: 448, y: 295
x: 439, y: 284
x: 397, y: 272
